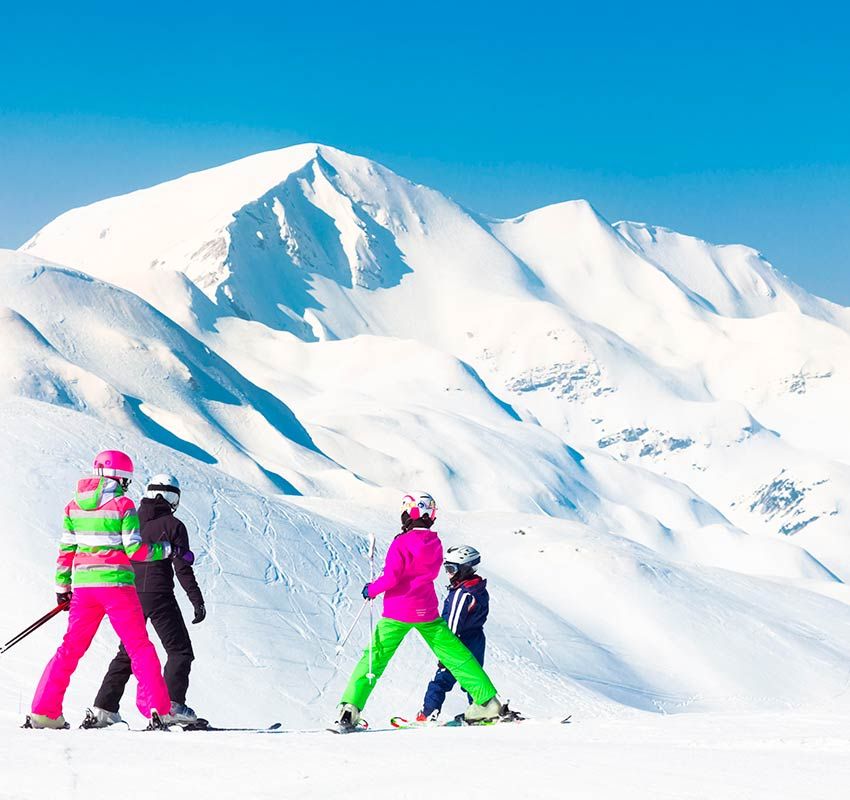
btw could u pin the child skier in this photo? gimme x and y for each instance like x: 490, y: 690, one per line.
x: 465, y: 611
x: 155, y: 586
x: 94, y: 573
x: 412, y: 564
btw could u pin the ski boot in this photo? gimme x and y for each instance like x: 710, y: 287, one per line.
x: 100, y: 718
x: 348, y: 720
x: 483, y: 714
x: 491, y: 712
x: 181, y: 714
x: 186, y: 718
x: 42, y: 721
x: 427, y: 719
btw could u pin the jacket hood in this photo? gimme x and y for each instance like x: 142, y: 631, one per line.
x: 423, y: 536
x: 94, y: 492
x: 154, y: 509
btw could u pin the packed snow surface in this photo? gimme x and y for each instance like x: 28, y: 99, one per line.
x: 642, y: 432
x: 640, y: 757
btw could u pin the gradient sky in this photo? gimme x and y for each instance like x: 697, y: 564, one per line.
x: 729, y: 121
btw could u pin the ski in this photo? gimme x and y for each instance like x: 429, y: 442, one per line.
x: 402, y: 723
x: 204, y: 725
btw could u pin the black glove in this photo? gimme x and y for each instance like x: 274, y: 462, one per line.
x: 365, y: 592
x: 64, y: 597
x: 183, y: 553
x: 200, y: 614
x: 440, y: 665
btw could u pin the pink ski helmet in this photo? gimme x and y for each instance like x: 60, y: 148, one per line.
x: 419, y: 504
x: 113, y: 464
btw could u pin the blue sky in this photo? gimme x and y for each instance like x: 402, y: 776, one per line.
x: 730, y: 121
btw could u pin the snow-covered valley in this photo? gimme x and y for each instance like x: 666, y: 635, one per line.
x: 642, y: 432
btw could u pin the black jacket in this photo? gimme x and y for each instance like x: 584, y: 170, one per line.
x: 158, y: 524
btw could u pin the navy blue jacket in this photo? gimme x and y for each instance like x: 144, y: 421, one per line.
x: 465, y: 609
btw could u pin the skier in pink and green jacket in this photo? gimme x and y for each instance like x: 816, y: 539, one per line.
x: 95, y: 575
x: 413, y: 563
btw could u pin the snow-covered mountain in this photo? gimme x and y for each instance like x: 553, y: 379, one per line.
x: 641, y: 430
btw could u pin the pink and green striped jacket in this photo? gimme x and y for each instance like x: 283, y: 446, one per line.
x: 101, y: 538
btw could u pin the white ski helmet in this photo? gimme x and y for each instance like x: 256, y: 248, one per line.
x: 165, y: 486
x: 463, y: 555
x: 418, y: 505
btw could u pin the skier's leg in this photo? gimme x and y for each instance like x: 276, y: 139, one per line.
x: 83, y: 621
x: 119, y: 672
x: 112, y: 689
x: 125, y: 614
x: 171, y: 629
x: 476, y: 646
x: 389, y: 634
x: 435, y: 695
x: 456, y: 656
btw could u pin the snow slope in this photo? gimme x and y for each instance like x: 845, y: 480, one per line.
x: 642, y: 432
x: 581, y: 619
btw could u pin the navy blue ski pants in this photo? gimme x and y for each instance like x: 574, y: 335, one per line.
x: 443, y: 682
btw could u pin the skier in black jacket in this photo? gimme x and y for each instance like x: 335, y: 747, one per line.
x: 155, y: 586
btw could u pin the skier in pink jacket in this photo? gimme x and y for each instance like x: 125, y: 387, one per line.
x: 95, y: 575
x: 413, y: 563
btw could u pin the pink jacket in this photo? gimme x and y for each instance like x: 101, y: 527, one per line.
x: 412, y: 565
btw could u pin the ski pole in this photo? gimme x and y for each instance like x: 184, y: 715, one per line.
x: 370, y: 675
x: 351, y: 629
x: 35, y: 626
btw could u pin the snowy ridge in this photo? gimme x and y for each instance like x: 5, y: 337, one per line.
x: 641, y: 431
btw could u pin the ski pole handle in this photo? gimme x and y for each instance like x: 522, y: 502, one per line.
x: 35, y: 626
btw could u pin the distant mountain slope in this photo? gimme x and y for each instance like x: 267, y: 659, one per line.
x: 87, y: 345
x: 689, y: 361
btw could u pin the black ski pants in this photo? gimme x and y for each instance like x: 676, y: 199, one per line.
x: 164, y: 613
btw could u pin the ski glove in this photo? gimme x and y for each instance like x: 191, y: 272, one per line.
x: 183, y: 553
x: 200, y: 614
x: 63, y: 597
x: 365, y: 592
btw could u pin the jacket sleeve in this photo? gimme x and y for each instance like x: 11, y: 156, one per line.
x: 67, y: 550
x: 447, y: 605
x: 393, y: 570
x: 185, y: 573
x: 131, y: 537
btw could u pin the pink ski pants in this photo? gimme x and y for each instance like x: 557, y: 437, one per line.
x: 88, y: 607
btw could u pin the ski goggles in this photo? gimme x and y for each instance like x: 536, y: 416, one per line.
x: 451, y: 568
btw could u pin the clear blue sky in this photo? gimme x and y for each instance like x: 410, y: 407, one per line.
x: 730, y: 121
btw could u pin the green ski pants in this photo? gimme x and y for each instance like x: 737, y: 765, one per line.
x: 389, y: 634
